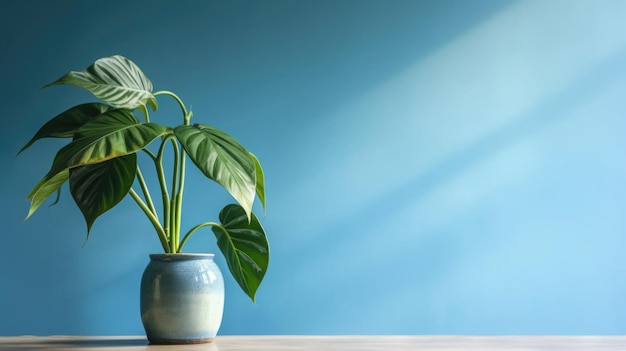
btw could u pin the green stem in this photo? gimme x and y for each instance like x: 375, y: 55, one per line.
x: 174, y: 228
x: 153, y: 219
x: 175, y: 203
x: 165, y: 197
x: 180, y: 103
x: 179, y: 196
x: 144, y: 111
x: 152, y: 155
x: 146, y: 192
x: 194, y: 229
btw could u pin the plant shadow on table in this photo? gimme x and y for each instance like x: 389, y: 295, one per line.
x: 73, y: 343
x: 104, y: 342
x: 33, y: 343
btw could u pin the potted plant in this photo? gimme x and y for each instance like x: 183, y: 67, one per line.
x: 100, y: 164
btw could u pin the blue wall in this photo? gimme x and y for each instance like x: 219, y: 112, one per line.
x: 433, y: 167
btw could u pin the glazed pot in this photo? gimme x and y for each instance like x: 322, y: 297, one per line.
x: 181, y: 298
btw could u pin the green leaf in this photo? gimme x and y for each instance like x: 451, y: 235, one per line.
x: 245, y: 246
x: 65, y: 124
x: 116, y: 80
x: 113, y: 134
x: 260, y: 180
x: 44, y: 189
x: 221, y: 158
x: 98, y: 187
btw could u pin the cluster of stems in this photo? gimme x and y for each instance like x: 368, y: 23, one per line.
x: 168, y: 231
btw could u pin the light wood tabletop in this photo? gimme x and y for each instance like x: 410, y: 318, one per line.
x: 320, y: 343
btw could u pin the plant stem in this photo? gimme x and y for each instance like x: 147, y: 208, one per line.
x: 144, y: 112
x: 193, y: 230
x: 180, y: 102
x: 146, y: 192
x: 174, y: 211
x: 165, y: 197
x: 174, y: 205
x: 152, y: 156
x: 179, y: 196
x: 153, y: 219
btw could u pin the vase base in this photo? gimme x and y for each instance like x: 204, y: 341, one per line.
x: 179, y: 341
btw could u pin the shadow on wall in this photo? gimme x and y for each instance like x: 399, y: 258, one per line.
x: 394, y: 238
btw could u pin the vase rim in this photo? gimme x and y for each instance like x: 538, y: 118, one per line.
x: 181, y: 255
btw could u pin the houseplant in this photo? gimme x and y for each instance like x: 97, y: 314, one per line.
x: 100, y: 164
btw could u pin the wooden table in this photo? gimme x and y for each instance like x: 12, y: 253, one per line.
x: 323, y: 343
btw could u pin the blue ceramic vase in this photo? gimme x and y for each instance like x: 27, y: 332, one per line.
x: 182, y: 298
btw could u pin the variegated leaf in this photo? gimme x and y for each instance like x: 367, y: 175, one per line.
x: 115, y: 80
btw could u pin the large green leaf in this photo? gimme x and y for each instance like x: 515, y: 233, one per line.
x: 260, y: 180
x: 65, y: 124
x: 114, y: 133
x: 116, y: 80
x: 98, y: 187
x: 245, y: 246
x: 221, y: 158
x: 44, y: 189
